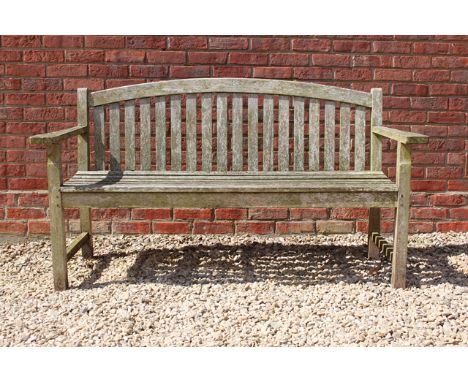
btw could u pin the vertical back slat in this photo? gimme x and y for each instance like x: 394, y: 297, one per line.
x: 145, y: 135
x: 268, y: 118
x: 253, y: 132
x: 114, y: 136
x: 329, y: 149
x: 375, y: 140
x: 176, y: 139
x: 99, y: 137
x: 83, y: 139
x: 314, y: 134
x: 345, y: 112
x: 191, y: 125
x: 221, y: 132
x: 283, y: 134
x: 237, y: 150
x: 160, y: 108
x: 130, y: 135
x: 359, y: 138
x: 298, y: 133
x: 206, y: 132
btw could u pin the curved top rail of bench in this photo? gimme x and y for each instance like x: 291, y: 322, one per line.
x: 231, y: 85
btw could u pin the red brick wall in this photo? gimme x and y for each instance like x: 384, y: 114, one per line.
x: 424, y: 79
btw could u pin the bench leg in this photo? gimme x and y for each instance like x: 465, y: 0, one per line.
x: 374, y: 226
x: 57, y: 222
x: 86, y: 226
x: 400, y: 248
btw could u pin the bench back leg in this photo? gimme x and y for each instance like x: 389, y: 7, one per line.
x: 86, y: 226
x: 374, y: 226
x: 57, y: 223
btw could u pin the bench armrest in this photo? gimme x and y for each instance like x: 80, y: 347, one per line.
x: 57, y: 136
x: 401, y: 136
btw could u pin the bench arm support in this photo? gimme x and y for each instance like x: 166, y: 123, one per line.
x: 58, y: 136
x: 400, y: 136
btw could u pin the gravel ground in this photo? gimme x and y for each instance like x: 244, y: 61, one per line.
x: 174, y: 290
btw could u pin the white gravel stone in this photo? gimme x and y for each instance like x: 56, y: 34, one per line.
x: 244, y: 290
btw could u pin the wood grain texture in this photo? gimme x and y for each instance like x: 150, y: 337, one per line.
x: 314, y: 134
x: 252, y: 105
x: 57, y: 136
x: 160, y: 109
x: 191, y: 127
x: 360, y: 138
x: 237, y: 134
x: 329, y: 144
x: 298, y: 103
x: 376, y: 120
x: 130, y: 135
x: 231, y: 85
x: 268, y: 133
x: 401, y: 136
x: 206, y: 132
x: 221, y: 132
x: 82, y: 120
x: 145, y: 135
x: 176, y: 135
x: 283, y: 134
x: 99, y: 147
x: 374, y: 226
x: 114, y: 136
x: 345, y: 114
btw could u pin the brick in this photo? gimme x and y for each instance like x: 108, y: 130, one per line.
x: 33, y: 200
x: 192, y: 213
x: 165, y: 57
x: 231, y: 213
x: 352, y: 46
x: 189, y: 71
x: 25, y: 70
x: 396, y: 102
x: 10, y: 84
x: 67, y: 70
x: 153, y: 71
x: 7, y: 199
x: 228, y: 43
x: 213, y: 227
x: 449, y: 62
x: 410, y: 89
x: 432, y: 75
x: 36, y: 170
x: 151, y: 213
x: 444, y: 172
x: 254, y: 227
x: 44, y: 113
x: 108, y: 70
x: 308, y: 213
x: 81, y: 55
x: 270, y: 44
x: 458, y: 185
x: 38, y: 227
x: 448, y: 199
x: 90, y: 83
x: 171, y: 227
x: 458, y: 104
x: 391, y: 47
x: 313, y: 45
x: 71, y: 213
x: 272, y: 72
x: 17, y: 228
x: 241, y: 58
x: 185, y: 42
x: 428, y: 213
x: 448, y: 89
x: 459, y: 48
x: 292, y: 59
x: 25, y: 213
x: 412, y: 62
x: 99, y: 227
x: 146, y: 42
x: 420, y: 227
x: 12, y: 170
x: 371, y: 61
x: 455, y: 158
x: 27, y: 184
x: 428, y: 185
x: 104, y: 41
x: 313, y: 73
x: 61, y: 99
x: 112, y: 83
x: 459, y: 76
x: 459, y: 213
x: 21, y: 41
x: 449, y: 226
x: 349, y: 213
x: 393, y: 74
x: 110, y: 213
x: 407, y: 116
x: 353, y: 74
x: 37, y: 84
x: 322, y: 59
x: 10, y: 55
x: 62, y: 41
x: 207, y: 57
x: 432, y: 103
x: 268, y: 213
x: 24, y: 99
x: 125, y: 56
x: 446, y: 117
x: 11, y: 113
x: 334, y: 226
x: 232, y: 71
x: 130, y: 227
x: 295, y: 227
x: 430, y: 48
x: 43, y: 56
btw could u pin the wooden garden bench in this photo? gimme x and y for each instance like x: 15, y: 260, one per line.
x: 205, y: 165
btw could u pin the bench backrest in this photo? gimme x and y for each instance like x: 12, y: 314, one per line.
x: 230, y: 125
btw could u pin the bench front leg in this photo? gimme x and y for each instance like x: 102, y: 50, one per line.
x: 57, y: 222
x: 400, y: 249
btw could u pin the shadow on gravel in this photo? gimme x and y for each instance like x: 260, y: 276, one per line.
x: 279, y: 263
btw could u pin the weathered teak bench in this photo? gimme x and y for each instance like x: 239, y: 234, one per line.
x: 209, y: 170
